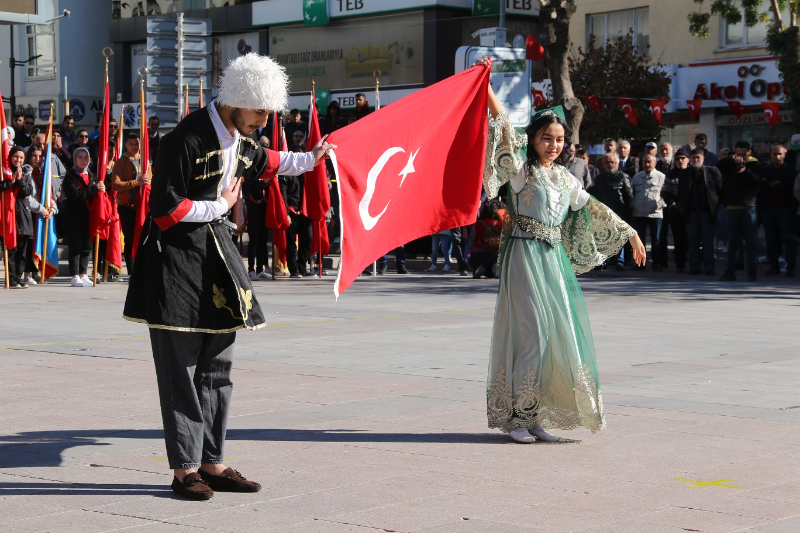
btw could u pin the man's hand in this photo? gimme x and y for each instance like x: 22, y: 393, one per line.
x: 231, y: 192
x: 320, y: 150
x: 101, y: 186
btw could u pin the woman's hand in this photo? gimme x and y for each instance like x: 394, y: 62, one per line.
x: 101, y: 186
x: 639, y: 253
x: 495, y: 108
x: 17, y: 175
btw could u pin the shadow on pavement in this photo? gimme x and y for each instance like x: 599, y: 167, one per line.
x: 84, y: 489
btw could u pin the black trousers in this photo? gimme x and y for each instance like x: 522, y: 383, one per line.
x: 127, y: 219
x: 298, y: 244
x: 193, y: 370
x: 80, y: 245
x: 458, y: 248
x: 18, y: 258
x: 257, y: 249
x: 673, y: 220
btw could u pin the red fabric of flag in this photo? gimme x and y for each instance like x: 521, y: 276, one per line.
x: 628, y: 106
x: 772, y: 111
x: 277, y: 218
x: 658, y: 109
x: 737, y: 108
x: 401, y: 178
x: 101, y: 215
x: 593, y: 101
x: 114, y: 240
x: 315, y: 185
x: 9, y: 196
x: 694, y: 108
x: 143, y: 201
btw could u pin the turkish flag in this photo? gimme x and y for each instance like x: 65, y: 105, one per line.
x: 772, y: 110
x: 628, y: 106
x: 658, y: 109
x: 114, y: 240
x: 276, y: 218
x: 143, y: 202
x: 538, y: 98
x: 737, y: 108
x: 9, y: 205
x: 593, y: 101
x: 694, y: 108
x: 401, y: 178
x: 101, y: 215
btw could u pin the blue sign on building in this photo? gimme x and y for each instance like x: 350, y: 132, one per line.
x: 77, y: 109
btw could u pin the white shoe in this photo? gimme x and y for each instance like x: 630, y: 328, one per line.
x: 76, y: 282
x: 522, y: 435
x: 538, y: 431
x: 432, y: 268
x: 86, y: 281
x: 253, y: 276
x: 446, y: 268
x: 28, y: 279
x: 264, y: 276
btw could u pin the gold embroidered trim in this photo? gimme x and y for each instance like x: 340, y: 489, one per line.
x: 540, y: 232
x: 208, y: 156
x: 567, y: 402
x: 246, y: 160
x: 192, y: 330
x: 251, y: 141
x: 204, y: 176
x: 244, y: 297
x: 220, y: 300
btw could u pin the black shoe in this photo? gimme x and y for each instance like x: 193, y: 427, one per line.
x: 465, y: 273
x: 729, y: 275
x: 710, y: 273
x: 230, y: 481
x: 619, y: 268
x: 381, y: 270
x: 193, y: 487
x: 773, y: 272
x: 401, y: 269
x: 790, y: 273
x: 657, y: 267
x: 695, y: 272
x: 751, y: 276
x: 480, y: 271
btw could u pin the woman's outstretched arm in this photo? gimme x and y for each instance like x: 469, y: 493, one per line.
x: 494, y: 104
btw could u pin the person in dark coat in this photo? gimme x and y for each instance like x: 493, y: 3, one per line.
x: 778, y: 210
x: 80, y: 187
x: 613, y: 188
x: 699, y: 189
x: 673, y: 218
x: 25, y: 205
x: 628, y: 164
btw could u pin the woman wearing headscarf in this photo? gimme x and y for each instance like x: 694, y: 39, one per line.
x: 25, y: 204
x: 80, y: 186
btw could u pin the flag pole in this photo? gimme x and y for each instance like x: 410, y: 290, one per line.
x: 201, y: 72
x: 47, y: 199
x: 99, y: 170
x: 5, y: 244
x: 319, y: 234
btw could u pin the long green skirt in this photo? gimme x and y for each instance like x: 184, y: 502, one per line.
x: 542, y: 366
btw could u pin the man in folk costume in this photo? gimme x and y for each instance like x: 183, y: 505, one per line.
x: 189, y: 284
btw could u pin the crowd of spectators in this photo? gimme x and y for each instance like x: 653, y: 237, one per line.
x: 701, y: 203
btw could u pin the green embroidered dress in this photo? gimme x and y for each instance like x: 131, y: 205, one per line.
x: 542, y: 366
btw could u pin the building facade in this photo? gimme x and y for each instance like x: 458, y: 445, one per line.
x: 732, y: 64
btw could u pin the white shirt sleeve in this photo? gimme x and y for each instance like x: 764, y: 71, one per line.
x: 206, y: 211
x: 294, y: 164
x: 518, y: 181
x: 577, y: 196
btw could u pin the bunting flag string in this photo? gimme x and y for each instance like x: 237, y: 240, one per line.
x: 694, y: 108
x: 657, y: 106
x: 771, y: 109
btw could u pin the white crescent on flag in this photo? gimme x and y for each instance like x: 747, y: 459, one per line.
x: 363, y: 206
x: 627, y: 110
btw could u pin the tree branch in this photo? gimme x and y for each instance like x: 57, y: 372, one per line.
x: 776, y: 12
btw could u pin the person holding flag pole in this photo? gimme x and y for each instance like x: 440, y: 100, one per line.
x: 7, y: 196
x: 145, y: 173
x: 45, y: 254
x: 189, y: 284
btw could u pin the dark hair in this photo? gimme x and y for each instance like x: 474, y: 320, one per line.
x: 131, y: 135
x: 361, y: 94
x: 81, y: 131
x: 536, y: 129
x: 564, y: 155
x: 742, y: 144
x: 68, y: 117
x: 333, y: 105
x: 32, y: 148
x: 609, y: 139
x: 489, y: 211
x: 580, y: 152
x: 154, y: 117
x: 294, y: 112
x: 701, y: 137
x: 30, y: 116
x: 14, y: 150
x: 698, y: 151
x: 16, y: 115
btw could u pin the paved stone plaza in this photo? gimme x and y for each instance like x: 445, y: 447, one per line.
x: 369, y: 414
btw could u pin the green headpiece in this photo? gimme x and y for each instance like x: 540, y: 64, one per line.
x: 557, y: 110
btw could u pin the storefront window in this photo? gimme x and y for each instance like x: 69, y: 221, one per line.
x: 41, y: 42
x: 145, y: 8
x: 615, y: 24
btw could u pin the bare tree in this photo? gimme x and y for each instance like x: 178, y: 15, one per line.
x: 556, y: 15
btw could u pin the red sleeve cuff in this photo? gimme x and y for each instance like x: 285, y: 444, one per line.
x: 167, y: 221
x: 273, y: 162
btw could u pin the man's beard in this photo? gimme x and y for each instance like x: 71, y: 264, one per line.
x: 236, y: 117
x: 666, y: 160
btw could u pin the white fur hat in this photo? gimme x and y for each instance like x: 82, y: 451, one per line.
x: 252, y: 81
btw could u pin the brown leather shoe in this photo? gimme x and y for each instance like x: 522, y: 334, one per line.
x: 193, y: 487
x: 230, y: 481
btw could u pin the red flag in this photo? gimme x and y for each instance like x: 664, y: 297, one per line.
x: 628, y: 106
x: 694, y: 108
x: 9, y: 196
x: 772, y: 111
x: 401, y: 178
x: 113, y: 240
x: 143, y: 202
x: 101, y: 215
x: 315, y: 186
x: 737, y: 108
x: 658, y: 109
x: 101, y: 211
x: 276, y: 218
x: 539, y: 99
x: 320, y: 238
x: 593, y: 101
